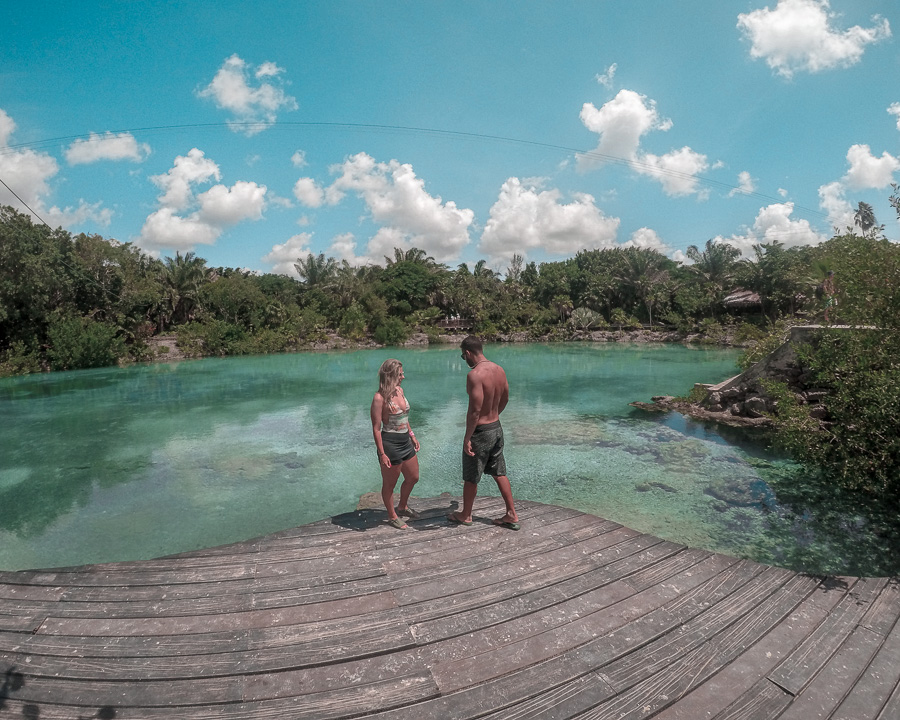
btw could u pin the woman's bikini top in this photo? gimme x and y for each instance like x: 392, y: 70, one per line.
x: 397, y: 415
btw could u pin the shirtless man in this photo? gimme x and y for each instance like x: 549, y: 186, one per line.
x: 488, y: 392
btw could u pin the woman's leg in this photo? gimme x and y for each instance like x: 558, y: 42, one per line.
x: 410, y: 470
x: 388, y: 482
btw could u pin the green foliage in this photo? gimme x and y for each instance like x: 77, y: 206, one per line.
x: 774, y: 338
x: 353, y: 324
x: 619, y: 318
x: 859, y: 443
x: 393, y: 331
x: 77, y: 343
x: 19, y: 359
x: 586, y: 319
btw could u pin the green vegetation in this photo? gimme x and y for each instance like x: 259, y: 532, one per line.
x: 83, y: 301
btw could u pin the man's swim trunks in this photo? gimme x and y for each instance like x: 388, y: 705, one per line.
x: 487, y: 443
x: 397, y: 446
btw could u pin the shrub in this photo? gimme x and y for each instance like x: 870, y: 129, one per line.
x: 80, y: 342
x: 353, y: 324
x: 392, y: 331
x: 213, y: 337
x: 19, y: 359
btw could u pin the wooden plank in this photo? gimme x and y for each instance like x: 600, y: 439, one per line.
x: 535, y: 592
x: 802, y: 665
x: 744, y: 606
x: 211, y: 623
x: 834, y: 681
x: 769, y: 701
x: 741, y: 688
x: 656, y: 690
x: 873, y: 689
x: 651, y: 622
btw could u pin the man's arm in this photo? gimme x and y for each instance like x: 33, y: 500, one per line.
x: 475, y: 390
x: 504, y: 395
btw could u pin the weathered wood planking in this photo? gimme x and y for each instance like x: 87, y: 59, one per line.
x: 573, y: 616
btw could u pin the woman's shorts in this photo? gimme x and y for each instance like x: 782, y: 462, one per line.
x: 398, y: 447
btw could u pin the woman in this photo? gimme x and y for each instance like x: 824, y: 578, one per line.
x: 395, y: 441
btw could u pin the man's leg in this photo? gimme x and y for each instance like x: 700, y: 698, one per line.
x: 506, y: 493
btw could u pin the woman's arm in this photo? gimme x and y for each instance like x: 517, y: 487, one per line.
x: 375, y: 413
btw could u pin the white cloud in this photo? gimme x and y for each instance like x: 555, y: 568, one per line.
x: 782, y: 192
x: 606, y: 79
x: 343, y: 247
x: 894, y: 109
x: 621, y: 123
x: 867, y: 171
x: 109, y: 146
x: 397, y: 200
x: 28, y: 174
x: 798, y: 36
x: 205, y: 216
x: 188, y: 170
x: 222, y: 206
x: 772, y: 223
x: 298, y: 159
x: 231, y: 90
x: 524, y: 219
x: 745, y: 185
x: 647, y: 239
x: 309, y: 193
x: 833, y: 202
x: 282, y: 257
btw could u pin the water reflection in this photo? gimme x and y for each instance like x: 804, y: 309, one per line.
x: 117, y: 464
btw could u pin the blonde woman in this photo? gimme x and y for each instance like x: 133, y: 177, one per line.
x: 395, y: 441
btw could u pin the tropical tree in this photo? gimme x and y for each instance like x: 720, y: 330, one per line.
x: 316, y: 270
x: 646, y: 273
x: 182, y: 277
x: 715, y: 267
x: 865, y: 220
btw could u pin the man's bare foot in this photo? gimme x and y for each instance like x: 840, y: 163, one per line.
x: 458, y: 519
x: 508, y: 522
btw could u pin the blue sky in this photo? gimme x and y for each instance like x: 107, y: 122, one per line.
x: 254, y: 133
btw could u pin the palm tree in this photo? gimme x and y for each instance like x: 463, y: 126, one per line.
x: 413, y: 255
x: 716, y: 266
x: 644, y: 272
x: 316, y: 270
x: 865, y: 219
x: 182, y: 277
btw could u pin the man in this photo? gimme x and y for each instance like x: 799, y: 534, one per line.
x: 829, y: 290
x: 488, y: 392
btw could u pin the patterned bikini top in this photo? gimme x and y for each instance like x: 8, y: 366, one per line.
x: 398, y: 415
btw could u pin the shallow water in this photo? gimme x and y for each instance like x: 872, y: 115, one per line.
x: 144, y: 461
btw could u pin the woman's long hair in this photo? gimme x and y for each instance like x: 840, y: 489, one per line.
x: 389, y: 378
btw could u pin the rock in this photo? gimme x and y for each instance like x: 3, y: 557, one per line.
x: 731, y: 394
x: 815, y: 397
x: 819, y: 412
x: 736, y: 408
x: 755, y: 406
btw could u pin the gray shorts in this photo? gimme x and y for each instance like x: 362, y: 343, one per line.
x: 487, y: 443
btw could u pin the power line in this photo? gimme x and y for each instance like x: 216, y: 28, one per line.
x: 16, y: 195
x: 594, y: 154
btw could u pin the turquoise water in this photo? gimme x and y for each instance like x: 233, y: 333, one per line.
x: 139, y: 462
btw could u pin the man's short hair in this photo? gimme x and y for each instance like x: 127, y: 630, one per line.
x: 472, y: 344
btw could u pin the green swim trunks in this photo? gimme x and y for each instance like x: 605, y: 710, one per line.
x: 487, y: 443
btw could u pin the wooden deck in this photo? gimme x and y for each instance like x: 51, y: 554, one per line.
x: 571, y: 617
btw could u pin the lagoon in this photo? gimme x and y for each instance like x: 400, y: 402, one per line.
x: 138, y: 462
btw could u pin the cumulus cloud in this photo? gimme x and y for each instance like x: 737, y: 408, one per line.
x: 109, y: 146
x: 307, y: 191
x: 298, y: 159
x: 29, y: 173
x: 187, y: 218
x: 798, y: 35
x: 282, y: 257
x: 867, y: 171
x: 833, y: 201
x: 253, y: 108
x: 397, y: 200
x: 745, y: 185
x: 621, y: 123
x: 646, y: 239
x: 606, y: 79
x: 894, y: 109
x: 774, y: 223
x: 524, y: 218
